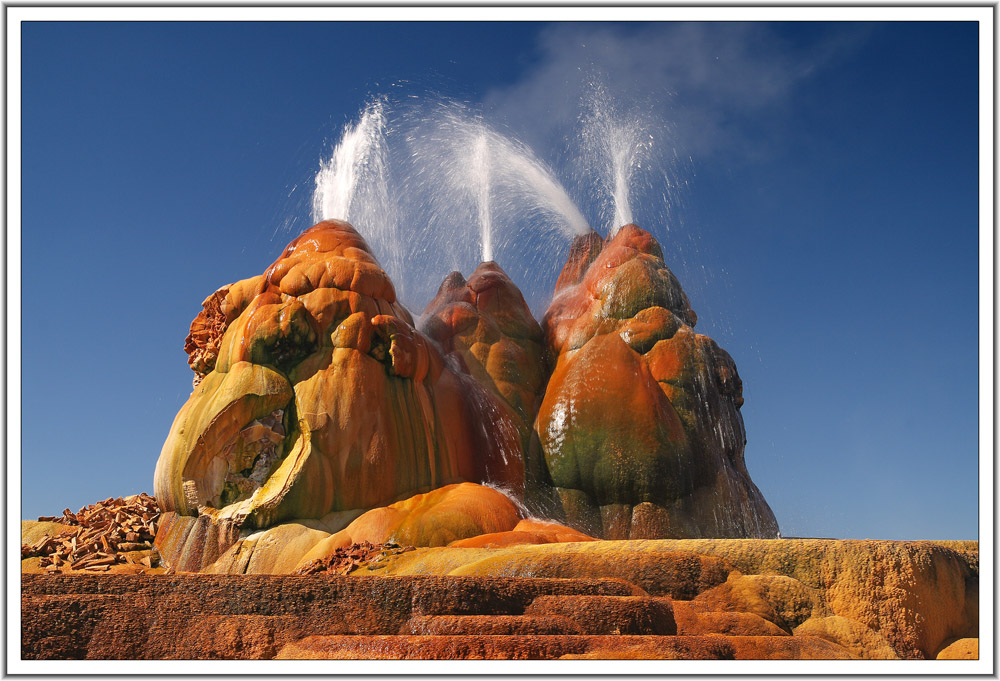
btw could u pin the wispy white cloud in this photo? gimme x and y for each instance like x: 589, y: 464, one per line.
x: 706, y: 80
x: 707, y: 92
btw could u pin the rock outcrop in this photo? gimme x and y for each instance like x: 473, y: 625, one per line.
x: 463, y: 514
x: 437, y: 518
x: 635, y: 599
x: 639, y: 431
x: 872, y: 599
x: 322, y: 415
x: 326, y: 434
x: 486, y: 331
x: 316, y: 394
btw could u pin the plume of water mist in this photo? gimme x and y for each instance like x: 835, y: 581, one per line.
x: 354, y: 185
x: 470, y: 175
x: 356, y: 152
x: 480, y: 178
x: 619, y: 148
x: 474, y: 194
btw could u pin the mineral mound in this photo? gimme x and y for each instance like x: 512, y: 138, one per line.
x: 316, y: 394
x: 318, y: 400
x: 640, y: 430
x: 485, y: 327
x: 347, y: 483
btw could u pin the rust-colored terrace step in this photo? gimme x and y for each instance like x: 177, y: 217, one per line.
x: 561, y: 647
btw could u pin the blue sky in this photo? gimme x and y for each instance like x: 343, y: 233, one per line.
x: 825, y: 226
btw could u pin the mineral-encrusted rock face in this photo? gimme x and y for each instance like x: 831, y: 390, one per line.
x: 648, y: 599
x: 463, y: 514
x: 436, y: 518
x: 317, y: 399
x: 315, y: 393
x: 639, y: 429
x: 486, y: 331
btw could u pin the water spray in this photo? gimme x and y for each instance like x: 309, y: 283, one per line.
x: 616, y: 146
x: 354, y: 184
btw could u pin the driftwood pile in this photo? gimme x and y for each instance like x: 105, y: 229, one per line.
x: 344, y: 560
x: 101, y: 535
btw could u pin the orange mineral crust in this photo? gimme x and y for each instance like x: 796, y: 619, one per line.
x: 321, y: 409
x: 484, y: 327
x: 637, y: 599
x: 639, y: 431
x: 316, y: 395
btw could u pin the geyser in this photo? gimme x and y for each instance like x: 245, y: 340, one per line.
x: 354, y: 185
x: 367, y: 409
x: 471, y: 173
x: 356, y: 159
x: 639, y: 427
x: 470, y: 193
x: 480, y: 183
x: 621, y: 148
x: 319, y: 399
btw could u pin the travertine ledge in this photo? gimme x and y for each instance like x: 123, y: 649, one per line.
x: 647, y: 599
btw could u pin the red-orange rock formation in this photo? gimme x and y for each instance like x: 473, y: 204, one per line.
x: 873, y: 599
x: 459, y: 515
x: 318, y: 395
x: 484, y: 327
x: 527, y: 531
x: 788, y: 599
x: 639, y: 429
x: 436, y: 518
x: 464, y: 647
x: 610, y: 614
x: 252, y: 616
x: 694, y: 620
x: 678, y: 574
x: 190, y: 543
x: 961, y: 649
x: 493, y: 625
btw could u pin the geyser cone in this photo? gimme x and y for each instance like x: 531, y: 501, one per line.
x: 582, y: 251
x: 484, y: 326
x: 640, y: 428
x: 318, y: 395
